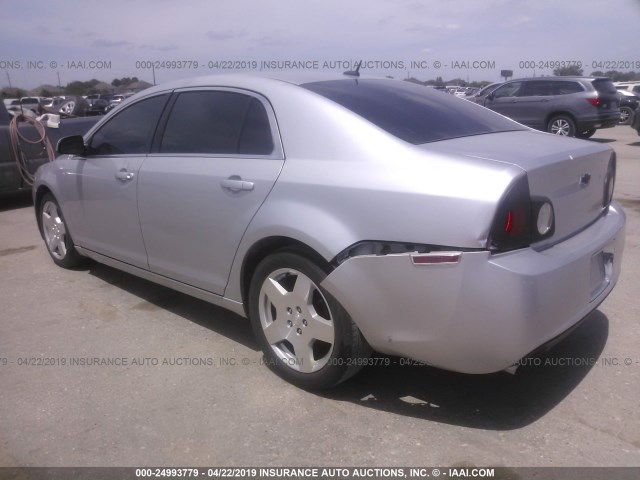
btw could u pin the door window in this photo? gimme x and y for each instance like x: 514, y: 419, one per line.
x: 217, y: 122
x: 130, y: 131
x: 509, y: 90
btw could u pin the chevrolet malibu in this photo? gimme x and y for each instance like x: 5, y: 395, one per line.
x: 344, y: 215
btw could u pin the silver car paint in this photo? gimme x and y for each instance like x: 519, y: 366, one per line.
x: 345, y: 180
x: 485, y: 313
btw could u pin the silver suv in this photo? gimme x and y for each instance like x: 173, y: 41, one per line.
x: 572, y: 106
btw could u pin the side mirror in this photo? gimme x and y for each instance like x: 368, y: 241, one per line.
x: 491, y: 96
x: 73, y: 145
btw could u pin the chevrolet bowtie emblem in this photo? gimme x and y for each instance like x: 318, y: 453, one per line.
x: 585, y: 179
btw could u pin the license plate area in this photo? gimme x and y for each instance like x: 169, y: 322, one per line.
x: 601, y: 271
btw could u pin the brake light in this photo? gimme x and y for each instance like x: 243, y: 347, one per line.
x: 520, y: 220
x: 594, y: 101
x: 512, y: 224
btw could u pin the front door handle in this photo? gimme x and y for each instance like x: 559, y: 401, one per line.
x: 124, y: 175
x: 236, y: 184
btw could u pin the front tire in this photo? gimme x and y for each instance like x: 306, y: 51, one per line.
x: 562, y: 125
x: 307, y: 337
x: 56, y: 235
x: 587, y: 133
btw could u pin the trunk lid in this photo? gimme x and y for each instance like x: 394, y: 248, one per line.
x: 570, y: 173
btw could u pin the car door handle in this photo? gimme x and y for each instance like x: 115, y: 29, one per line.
x: 124, y: 175
x: 236, y: 184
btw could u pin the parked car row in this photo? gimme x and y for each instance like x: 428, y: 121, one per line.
x: 69, y: 105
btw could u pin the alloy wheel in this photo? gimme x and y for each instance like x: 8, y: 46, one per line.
x: 54, y: 230
x: 296, y: 320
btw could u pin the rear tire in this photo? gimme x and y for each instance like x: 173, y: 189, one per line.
x: 74, y: 106
x: 562, y: 126
x: 308, y: 339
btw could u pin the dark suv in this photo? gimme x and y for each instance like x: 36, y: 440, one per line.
x: 573, y: 106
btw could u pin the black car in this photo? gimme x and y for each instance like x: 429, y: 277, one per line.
x: 628, y: 105
x: 636, y: 121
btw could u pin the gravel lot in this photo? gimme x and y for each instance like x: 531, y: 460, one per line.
x: 209, y: 411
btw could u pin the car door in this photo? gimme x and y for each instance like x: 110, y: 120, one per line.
x: 106, y: 183
x: 533, y: 103
x: 503, y: 100
x: 213, y: 165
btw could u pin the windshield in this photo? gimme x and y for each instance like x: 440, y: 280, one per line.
x: 412, y: 112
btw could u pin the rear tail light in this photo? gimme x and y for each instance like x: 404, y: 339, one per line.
x: 594, y: 101
x: 609, y: 181
x: 520, y: 220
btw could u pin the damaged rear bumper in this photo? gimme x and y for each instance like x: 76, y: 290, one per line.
x: 483, y: 312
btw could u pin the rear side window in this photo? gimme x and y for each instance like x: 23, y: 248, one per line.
x: 217, y: 122
x: 565, y: 87
x: 129, y: 132
x: 411, y: 112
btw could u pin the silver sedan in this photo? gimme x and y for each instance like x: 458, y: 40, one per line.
x: 344, y: 215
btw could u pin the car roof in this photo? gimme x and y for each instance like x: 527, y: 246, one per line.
x: 254, y: 80
x: 563, y: 78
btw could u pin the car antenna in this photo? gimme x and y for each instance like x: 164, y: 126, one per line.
x: 354, y: 73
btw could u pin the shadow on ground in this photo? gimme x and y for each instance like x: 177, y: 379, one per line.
x: 602, y: 140
x: 155, y: 296
x: 13, y: 201
x: 495, y: 402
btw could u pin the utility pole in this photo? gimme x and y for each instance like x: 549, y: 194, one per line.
x: 58, y: 73
x: 153, y: 70
x: 9, y: 78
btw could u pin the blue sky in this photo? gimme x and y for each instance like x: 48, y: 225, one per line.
x: 390, y: 34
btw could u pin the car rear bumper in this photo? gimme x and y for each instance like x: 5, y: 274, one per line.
x: 485, y: 312
x: 598, y: 121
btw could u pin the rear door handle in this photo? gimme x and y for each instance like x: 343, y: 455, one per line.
x: 236, y: 184
x: 124, y: 175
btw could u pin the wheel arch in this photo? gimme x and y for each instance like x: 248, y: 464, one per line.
x: 267, y: 246
x: 560, y: 113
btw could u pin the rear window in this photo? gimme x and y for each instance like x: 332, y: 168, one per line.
x: 412, y: 112
x: 604, y: 85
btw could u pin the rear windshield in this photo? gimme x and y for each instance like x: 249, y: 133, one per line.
x: 412, y: 112
x: 604, y: 85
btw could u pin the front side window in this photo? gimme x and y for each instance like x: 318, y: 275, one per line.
x: 217, y: 122
x: 509, y: 90
x: 130, y: 131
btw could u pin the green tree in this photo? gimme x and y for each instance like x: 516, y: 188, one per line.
x: 572, y: 70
